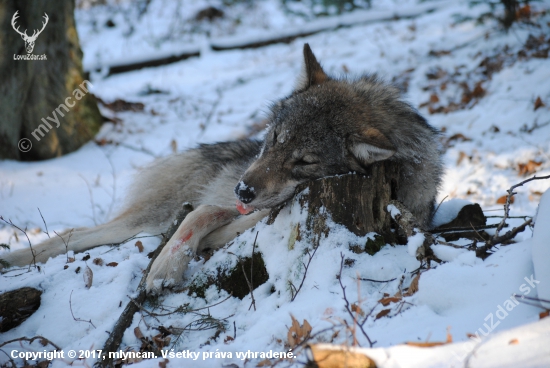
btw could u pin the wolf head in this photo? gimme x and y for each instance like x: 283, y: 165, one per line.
x: 327, y: 126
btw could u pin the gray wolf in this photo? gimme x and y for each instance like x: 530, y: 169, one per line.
x: 326, y: 126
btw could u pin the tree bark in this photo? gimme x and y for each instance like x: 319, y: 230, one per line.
x: 33, y: 90
x: 357, y: 201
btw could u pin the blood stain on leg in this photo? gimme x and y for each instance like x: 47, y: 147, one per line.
x: 181, y: 241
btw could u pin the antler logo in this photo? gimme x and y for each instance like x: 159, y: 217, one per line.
x: 29, y: 40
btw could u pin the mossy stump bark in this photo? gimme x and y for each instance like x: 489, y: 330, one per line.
x: 34, y: 90
x: 357, y: 201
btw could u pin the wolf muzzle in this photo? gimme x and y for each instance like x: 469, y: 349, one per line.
x: 244, y: 193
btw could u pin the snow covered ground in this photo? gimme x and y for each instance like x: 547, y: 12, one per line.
x: 478, y: 84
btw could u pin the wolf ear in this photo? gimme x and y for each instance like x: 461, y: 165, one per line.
x: 312, y: 73
x: 371, y: 145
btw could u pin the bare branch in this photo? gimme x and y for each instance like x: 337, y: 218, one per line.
x: 31, y: 340
x: 24, y: 232
x: 66, y: 242
x: 508, y: 201
x: 306, y: 267
x: 249, y: 282
x: 179, y: 309
x: 482, y: 252
x: 348, y: 309
x: 78, y: 319
x: 44, y: 221
x: 381, y: 281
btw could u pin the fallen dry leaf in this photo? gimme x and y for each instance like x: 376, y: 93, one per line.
x: 138, y: 333
x: 357, y: 309
x: 392, y: 299
x: 478, y: 91
x: 544, y: 314
x: 264, y: 363
x: 228, y: 339
x: 139, y: 246
x: 539, y: 103
x: 413, y: 288
x: 461, y: 157
x: 513, y: 342
x: 528, y: 168
x: 524, y: 12
x: 112, y: 264
x: 382, y: 313
x: 163, y: 363
x: 296, y: 333
x: 457, y: 137
x: 98, y: 261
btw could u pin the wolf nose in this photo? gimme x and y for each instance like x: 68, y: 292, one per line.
x: 244, y: 192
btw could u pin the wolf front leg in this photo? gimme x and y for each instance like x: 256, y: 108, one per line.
x: 168, y: 268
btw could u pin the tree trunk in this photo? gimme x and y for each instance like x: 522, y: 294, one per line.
x: 356, y: 201
x: 34, y: 90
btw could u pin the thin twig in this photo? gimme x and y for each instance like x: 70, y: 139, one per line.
x: 509, y: 234
x: 381, y: 281
x: 91, y: 198
x: 306, y: 267
x: 10, y: 359
x: 508, y: 200
x: 348, y: 309
x: 249, y: 282
x: 66, y: 242
x: 31, y: 340
x: 439, y: 205
x: 219, y: 92
x: 78, y: 319
x: 115, y: 143
x: 44, y: 221
x: 178, y: 309
x: 461, y: 229
x: 24, y: 232
x: 531, y: 298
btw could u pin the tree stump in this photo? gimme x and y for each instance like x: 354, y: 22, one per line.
x: 357, y: 201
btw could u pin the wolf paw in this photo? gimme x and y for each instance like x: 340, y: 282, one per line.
x: 167, y: 270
